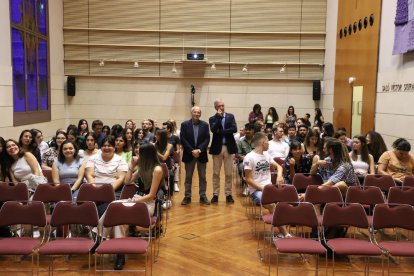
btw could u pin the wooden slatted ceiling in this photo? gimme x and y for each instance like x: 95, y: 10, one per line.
x: 237, y: 31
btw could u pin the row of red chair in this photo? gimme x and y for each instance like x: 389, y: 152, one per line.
x: 70, y: 213
x: 344, y: 215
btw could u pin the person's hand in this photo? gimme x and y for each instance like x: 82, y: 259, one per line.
x: 292, y: 162
x: 196, y: 153
x: 220, y: 112
x: 134, y: 161
x: 322, y: 163
x: 279, y: 180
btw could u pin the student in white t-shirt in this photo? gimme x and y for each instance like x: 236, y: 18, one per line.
x: 277, y: 146
x: 257, y: 172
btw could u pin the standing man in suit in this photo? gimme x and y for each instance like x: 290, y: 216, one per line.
x: 195, y: 137
x: 223, y: 126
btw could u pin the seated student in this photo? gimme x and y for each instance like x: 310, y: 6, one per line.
x: 398, y: 162
x: 376, y: 145
x: 311, y: 145
x: 361, y: 160
x: 257, y: 172
x: 301, y: 133
x: 277, y: 146
x: 341, y: 136
x: 336, y: 169
x: 68, y: 168
x: 296, y: 162
x: 52, y: 153
x: 291, y: 133
x: 244, y: 146
x: 147, y: 170
x: 121, y: 147
x: 106, y: 168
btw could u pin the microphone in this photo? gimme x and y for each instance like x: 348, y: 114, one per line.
x: 193, y: 90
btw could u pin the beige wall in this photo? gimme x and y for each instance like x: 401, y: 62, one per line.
x: 56, y: 73
x: 116, y: 100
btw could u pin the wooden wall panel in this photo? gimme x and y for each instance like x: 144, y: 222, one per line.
x: 356, y: 56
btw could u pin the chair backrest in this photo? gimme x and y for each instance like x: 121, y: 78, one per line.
x: 14, y: 212
x: 408, y: 181
x: 393, y: 216
x: 401, y: 195
x: 384, y: 182
x: 96, y: 193
x: 48, y: 175
x: 301, y: 213
x: 352, y: 214
x: 131, y: 213
x: 52, y: 193
x: 68, y: 212
x: 302, y: 180
x: 13, y: 191
x: 369, y: 195
x: 316, y: 195
x: 274, y: 194
x: 128, y: 191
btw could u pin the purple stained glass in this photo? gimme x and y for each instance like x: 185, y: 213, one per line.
x: 31, y: 69
x: 16, y: 11
x: 42, y: 16
x: 30, y: 14
x: 19, y: 85
x: 43, y: 76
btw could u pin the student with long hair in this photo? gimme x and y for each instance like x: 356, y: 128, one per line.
x: 319, y: 120
x: 28, y: 144
x: 121, y: 147
x: 376, y: 145
x: 38, y: 137
x: 271, y: 117
x: 336, y: 169
x: 290, y: 117
x: 256, y: 114
x: 361, y: 160
x: 83, y: 127
x: 398, y: 162
x: 296, y: 161
x: 130, y: 124
x: 68, y: 168
x: 311, y: 145
x: 52, y: 153
x: 149, y: 175
x: 128, y: 133
x: 165, y: 154
x: 91, y: 147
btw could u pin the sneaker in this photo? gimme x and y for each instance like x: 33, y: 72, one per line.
x: 176, y: 188
x: 245, y: 192
x: 288, y: 235
x: 167, y: 204
x: 229, y: 199
x: 204, y: 200
x: 186, y: 200
x: 36, y: 234
x: 214, y: 199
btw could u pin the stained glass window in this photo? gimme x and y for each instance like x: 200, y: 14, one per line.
x: 30, y: 61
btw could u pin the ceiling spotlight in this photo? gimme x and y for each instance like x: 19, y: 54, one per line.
x: 174, y: 70
x: 213, y: 67
x: 283, y: 69
x: 136, y: 64
x: 102, y: 63
x: 245, y: 68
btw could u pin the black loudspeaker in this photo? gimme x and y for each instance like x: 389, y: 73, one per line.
x: 316, y: 96
x: 195, y: 56
x: 71, y: 86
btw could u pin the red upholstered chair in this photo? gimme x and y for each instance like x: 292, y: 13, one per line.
x: 317, y: 196
x: 352, y: 214
x: 298, y: 214
x: 120, y: 213
x: 401, y: 195
x: 368, y: 197
x: 302, y: 180
x: 10, y: 191
x: 273, y: 194
x: 128, y: 191
x: 15, y: 213
x: 70, y: 213
x: 384, y: 182
x: 397, y: 217
x: 96, y: 193
x: 408, y: 181
x: 48, y: 175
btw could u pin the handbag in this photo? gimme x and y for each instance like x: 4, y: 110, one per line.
x: 35, y: 180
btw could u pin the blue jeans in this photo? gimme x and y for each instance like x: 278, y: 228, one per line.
x: 257, y: 197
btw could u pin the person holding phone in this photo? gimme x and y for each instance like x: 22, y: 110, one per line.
x: 297, y: 162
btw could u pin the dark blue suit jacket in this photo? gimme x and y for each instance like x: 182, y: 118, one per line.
x: 188, y: 143
x: 216, y: 128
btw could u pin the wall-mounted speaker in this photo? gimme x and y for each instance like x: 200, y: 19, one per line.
x: 316, y: 95
x: 71, y: 86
